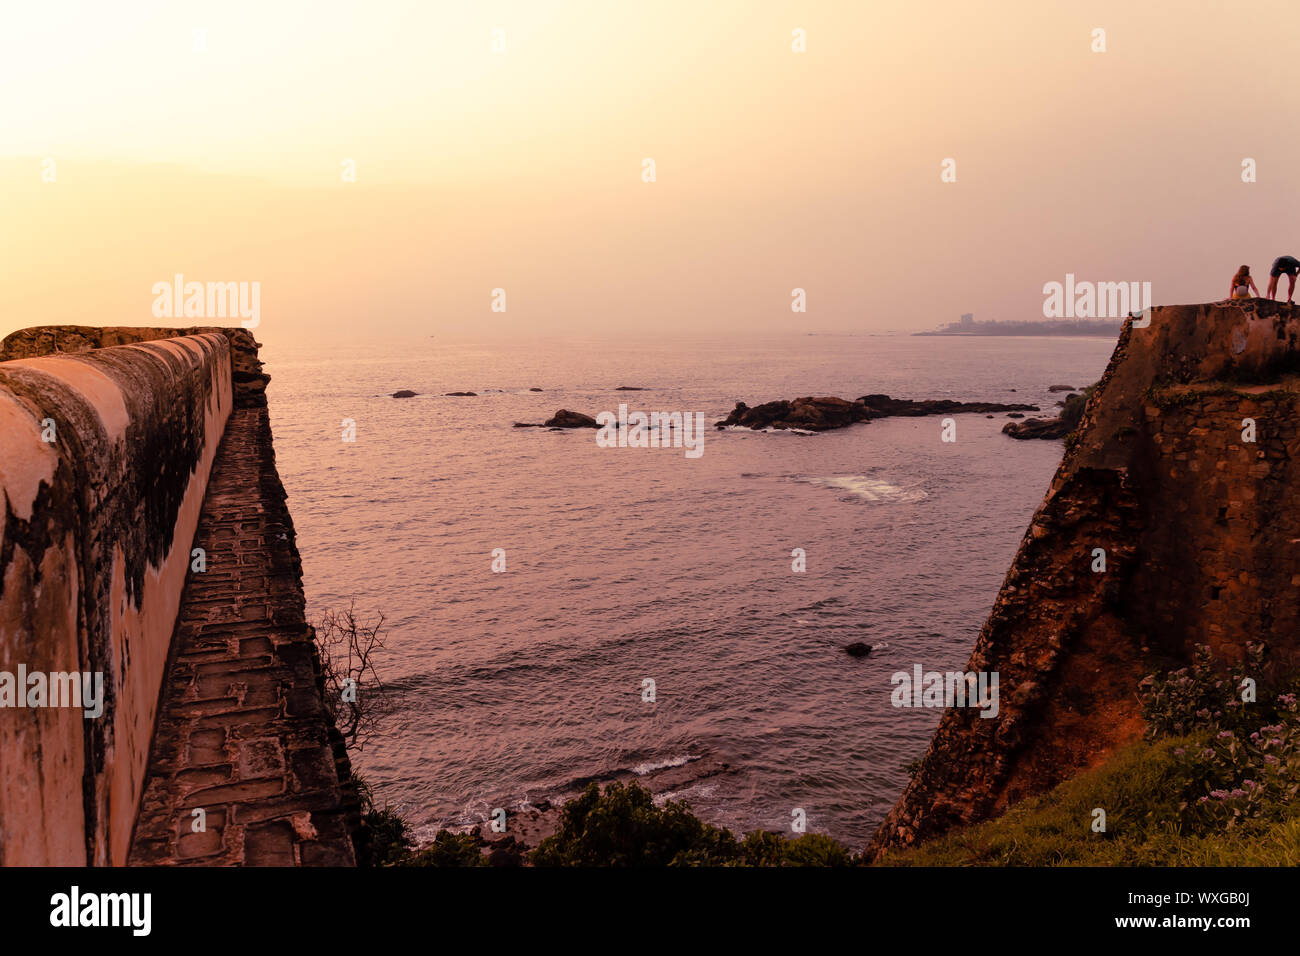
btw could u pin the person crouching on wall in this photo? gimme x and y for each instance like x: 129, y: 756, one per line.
x: 1288, y: 265
x: 1243, y: 284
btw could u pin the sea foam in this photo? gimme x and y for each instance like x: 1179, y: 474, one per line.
x: 869, y: 489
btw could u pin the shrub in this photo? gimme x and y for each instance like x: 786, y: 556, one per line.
x: 623, y: 827
x: 389, y: 834
x: 448, y: 849
x: 1200, y: 696
x: 1072, y: 413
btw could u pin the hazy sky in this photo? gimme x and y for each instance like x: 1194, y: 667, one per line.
x: 220, y: 155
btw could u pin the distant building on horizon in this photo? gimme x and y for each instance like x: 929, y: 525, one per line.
x: 967, y: 325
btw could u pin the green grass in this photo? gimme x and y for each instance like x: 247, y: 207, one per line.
x: 1138, y: 788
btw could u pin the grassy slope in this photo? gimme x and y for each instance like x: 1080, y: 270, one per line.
x: 1133, y: 787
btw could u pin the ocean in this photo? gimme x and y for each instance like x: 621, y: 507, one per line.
x: 628, y: 565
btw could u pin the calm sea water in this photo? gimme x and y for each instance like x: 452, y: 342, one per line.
x: 632, y: 564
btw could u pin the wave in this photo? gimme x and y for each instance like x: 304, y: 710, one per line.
x: 642, y: 769
x: 766, y: 431
x: 869, y: 489
x: 703, y: 791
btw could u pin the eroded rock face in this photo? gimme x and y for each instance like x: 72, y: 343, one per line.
x: 1197, y: 527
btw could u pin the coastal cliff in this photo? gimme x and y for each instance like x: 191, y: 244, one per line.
x: 1167, y: 525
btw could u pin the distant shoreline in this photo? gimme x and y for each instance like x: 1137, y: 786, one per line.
x: 1101, y: 328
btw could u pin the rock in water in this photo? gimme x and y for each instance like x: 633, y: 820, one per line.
x: 823, y: 414
x: 811, y: 414
x: 882, y: 406
x: 858, y: 649
x: 1037, y: 428
x: 405, y: 393
x: 567, y: 419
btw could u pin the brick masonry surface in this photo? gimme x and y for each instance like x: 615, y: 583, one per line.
x: 242, y: 732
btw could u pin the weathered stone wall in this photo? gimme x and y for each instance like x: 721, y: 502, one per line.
x: 104, y: 460
x: 243, y: 738
x: 246, y: 368
x: 1200, y: 546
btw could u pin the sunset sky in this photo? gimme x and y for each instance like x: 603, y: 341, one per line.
x: 522, y: 169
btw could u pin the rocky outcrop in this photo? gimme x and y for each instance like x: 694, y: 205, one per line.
x: 562, y: 419
x: 882, y: 406
x: 824, y: 414
x: 1051, y: 428
x: 567, y: 419
x: 1169, y: 523
x: 809, y: 414
x: 1037, y: 428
